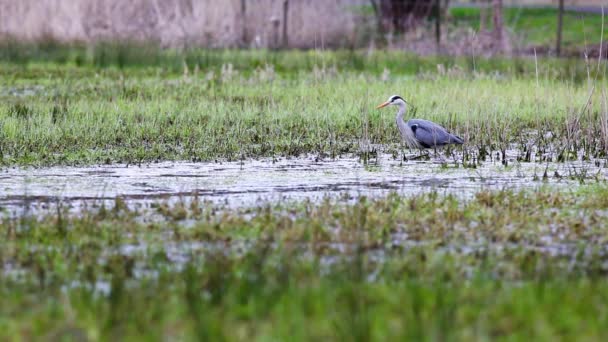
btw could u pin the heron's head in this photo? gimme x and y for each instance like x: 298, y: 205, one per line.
x: 393, y: 100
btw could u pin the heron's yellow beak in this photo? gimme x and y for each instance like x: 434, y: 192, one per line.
x: 383, y: 105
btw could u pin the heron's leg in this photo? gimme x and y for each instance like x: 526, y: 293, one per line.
x: 454, y: 157
x: 402, y: 150
x: 422, y: 154
x: 437, y: 151
x: 442, y: 154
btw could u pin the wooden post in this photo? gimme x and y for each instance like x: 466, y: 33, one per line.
x: 483, y: 15
x: 498, y: 25
x: 438, y: 25
x: 275, y: 22
x: 285, y: 12
x: 380, y: 26
x: 244, y: 22
x: 560, y: 18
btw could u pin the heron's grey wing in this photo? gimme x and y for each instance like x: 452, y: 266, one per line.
x: 430, y: 134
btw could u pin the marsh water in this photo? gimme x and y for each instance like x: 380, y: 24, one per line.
x: 252, y: 182
x: 36, y: 191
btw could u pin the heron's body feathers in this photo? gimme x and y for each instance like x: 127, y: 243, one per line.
x: 429, y: 134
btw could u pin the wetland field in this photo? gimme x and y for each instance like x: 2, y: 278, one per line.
x: 238, y: 195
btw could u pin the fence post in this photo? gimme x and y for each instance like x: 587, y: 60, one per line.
x: 285, y: 12
x: 275, y: 22
x: 244, y: 22
x: 560, y: 18
x: 438, y: 25
x: 498, y: 25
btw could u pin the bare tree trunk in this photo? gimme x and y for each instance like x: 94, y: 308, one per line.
x: 285, y: 12
x: 483, y: 15
x: 379, y: 23
x: 498, y: 25
x: 560, y: 17
x: 401, y: 15
x: 438, y: 25
x: 244, y: 22
x: 276, y: 23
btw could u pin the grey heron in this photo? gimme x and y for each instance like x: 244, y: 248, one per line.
x: 418, y: 133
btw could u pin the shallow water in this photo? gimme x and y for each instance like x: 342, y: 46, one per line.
x: 249, y: 183
x: 252, y: 182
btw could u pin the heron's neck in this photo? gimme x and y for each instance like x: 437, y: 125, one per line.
x: 399, y: 118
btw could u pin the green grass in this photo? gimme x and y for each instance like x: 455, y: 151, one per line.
x: 424, y: 267
x: 538, y: 26
x: 130, y: 55
x: 502, y: 265
x: 293, y: 103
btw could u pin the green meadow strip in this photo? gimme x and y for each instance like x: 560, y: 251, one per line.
x: 60, y: 114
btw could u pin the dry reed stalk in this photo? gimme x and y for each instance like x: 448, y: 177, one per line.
x: 604, y: 121
x: 179, y: 23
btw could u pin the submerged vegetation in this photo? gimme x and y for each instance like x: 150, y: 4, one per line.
x: 501, y: 265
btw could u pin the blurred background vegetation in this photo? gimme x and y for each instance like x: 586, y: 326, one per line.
x: 482, y: 27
